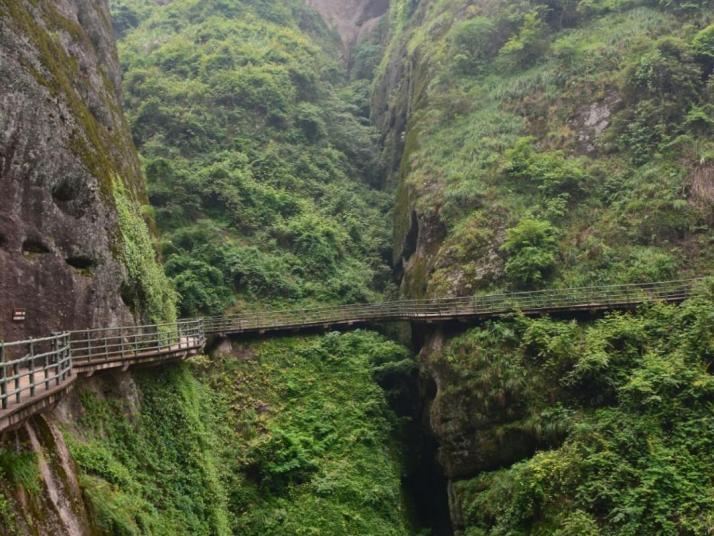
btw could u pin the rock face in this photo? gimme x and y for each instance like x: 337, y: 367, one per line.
x: 63, y: 143
x: 352, y: 19
x: 64, y: 149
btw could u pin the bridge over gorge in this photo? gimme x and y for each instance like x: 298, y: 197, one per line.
x: 36, y: 373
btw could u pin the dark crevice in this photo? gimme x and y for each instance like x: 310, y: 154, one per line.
x: 412, y: 238
x: 81, y: 262
x: 34, y: 246
x: 70, y: 195
x: 64, y: 192
x: 3, y: 241
x: 424, y: 485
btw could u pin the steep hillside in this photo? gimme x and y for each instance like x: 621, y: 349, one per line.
x: 280, y: 437
x: 267, y: 438
x: 261, y: 169
x: 258, y: 153
x: 70, y: 178
x: 554, y: 144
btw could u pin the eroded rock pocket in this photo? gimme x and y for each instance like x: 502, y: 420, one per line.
x: 71, y: 196
x: 34, y: 246
x: 82, y: 263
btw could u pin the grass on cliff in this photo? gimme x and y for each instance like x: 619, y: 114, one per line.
x: 291, y: 436
x: 149, y: 291
x: 504, y: 129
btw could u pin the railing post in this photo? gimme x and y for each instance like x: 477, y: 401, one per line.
x: 32, y: 367
x: 64, y: 342
x: 50, y: 358
x: 16, y: 375
x: 121, y: 345
x: 89, y: 345
x: 3, y: 381
x: 64, y: 355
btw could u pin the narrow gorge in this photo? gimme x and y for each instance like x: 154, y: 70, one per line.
x: 164, y: 159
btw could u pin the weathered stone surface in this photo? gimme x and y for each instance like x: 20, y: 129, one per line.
x: 481, y: 417
x: 353, y: 19
x: 592, y: 120
x: 63, y: 140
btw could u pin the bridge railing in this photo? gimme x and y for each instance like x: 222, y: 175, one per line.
x: 593, y: 297
x: 30, y: 367
x: 134, y: 342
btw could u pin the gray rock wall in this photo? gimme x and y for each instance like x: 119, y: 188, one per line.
x: 63, y: 141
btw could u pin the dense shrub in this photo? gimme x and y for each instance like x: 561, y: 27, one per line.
x: 635, y: 393
x: 473, y: 43
x: 531, y: 247
x: 249, y: 133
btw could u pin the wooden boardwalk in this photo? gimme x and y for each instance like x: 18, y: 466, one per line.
x: 36, y: 373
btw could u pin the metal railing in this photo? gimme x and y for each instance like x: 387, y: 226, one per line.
x: 33, y: 366
x: 30, y: 369
x: 530, y: 302
x: 135, y: 342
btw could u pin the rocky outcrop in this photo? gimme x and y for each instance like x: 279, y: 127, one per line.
x: 352, y: 19
x: 63, y: 143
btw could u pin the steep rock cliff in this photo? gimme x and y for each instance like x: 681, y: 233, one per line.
x: 65, y: 150
x: 75, y: 251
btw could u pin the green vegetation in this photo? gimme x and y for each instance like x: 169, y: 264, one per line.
x: 18, y: 471
x: 293, y: 437
x: 595, y: 117
x: 619, y: 409
x: 263, y: 180
x: 148, y: 286
x: 530, y: 247
x: 156, y: 472
x: 550, y: 143
x: 258, y: 153
x: 554, y: 144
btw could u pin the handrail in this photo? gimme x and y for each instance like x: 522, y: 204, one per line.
x: 131, y: 342
x: 29, y: 366
x: 30, y: 369
x: 483, y: 306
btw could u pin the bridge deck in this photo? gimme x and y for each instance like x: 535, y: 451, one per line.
x: 36, y: 373
x: 470, y: 308
x: 45, y: 395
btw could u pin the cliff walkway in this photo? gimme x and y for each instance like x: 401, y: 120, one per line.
x: 36, y: 373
